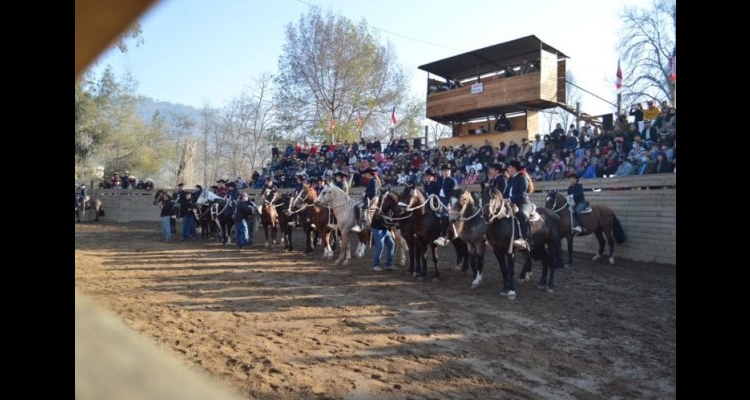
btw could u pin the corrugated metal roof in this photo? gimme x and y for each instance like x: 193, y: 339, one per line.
x: 489, y: 59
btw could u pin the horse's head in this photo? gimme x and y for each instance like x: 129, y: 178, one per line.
x: 161, y: 195
x: 461, y: 200
x: 554, y: 200
x: 411, y: 196
x: 330, y: 196
x: 389, y: 204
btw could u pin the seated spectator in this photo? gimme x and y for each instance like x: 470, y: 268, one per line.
x: 241, y: 184
x: 471, y: 177
x: 508, y: 71
x: 626, y: 167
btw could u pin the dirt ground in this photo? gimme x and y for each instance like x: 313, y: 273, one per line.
x: 279, y: 325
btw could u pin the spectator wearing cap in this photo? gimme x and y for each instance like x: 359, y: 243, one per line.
x: 179, y: 194
x: 518, y: 194
x: 447, y: 184
x: 369, y: 198
x: 244, y: 210
x: 525, y: 148
x: 222, y: 190
x: 577, y: 200
x: 241, y: 184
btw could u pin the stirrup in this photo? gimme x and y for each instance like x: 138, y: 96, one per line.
x: 577, y: 229
x: 521, y: 243
x: 356, y: 228
x: 331, y: 226
x: 313, y: 226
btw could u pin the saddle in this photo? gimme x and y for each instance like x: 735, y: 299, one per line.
x: 533, y: 215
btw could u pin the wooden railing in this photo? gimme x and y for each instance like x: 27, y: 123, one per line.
x: 646, y: 206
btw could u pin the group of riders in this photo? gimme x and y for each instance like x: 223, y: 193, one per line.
x: 512, y: 181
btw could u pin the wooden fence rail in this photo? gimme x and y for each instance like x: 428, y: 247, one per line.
x: 645, y: 205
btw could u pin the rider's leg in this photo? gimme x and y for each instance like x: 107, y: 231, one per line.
x: 523, y: 221
x: 443, y: 239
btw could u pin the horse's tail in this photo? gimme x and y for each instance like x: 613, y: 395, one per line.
x: 617, y: 230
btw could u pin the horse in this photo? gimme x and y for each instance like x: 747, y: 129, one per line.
x: 88, y: 204
x: 422, y: 229
x: 544, y: 228
x: 342, y: 207
x: 393, y: 213
x: 160, y: 197
x: 305, y: 204
x: 468, y: 225
x: 598, y: 219
x: 284, y: 218
x: 269, y: 218
x: 221, y: 211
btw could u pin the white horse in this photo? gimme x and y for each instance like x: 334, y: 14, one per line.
x: 342, y: 206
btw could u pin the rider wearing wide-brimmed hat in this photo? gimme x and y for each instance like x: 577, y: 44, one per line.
x: 576, y: 199
x: 518, y: 194
x: 446, y: 184
x: 372, y: 191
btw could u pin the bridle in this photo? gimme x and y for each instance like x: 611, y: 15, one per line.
x: 554, y: 202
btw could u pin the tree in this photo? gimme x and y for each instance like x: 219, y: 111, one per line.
x: 332, y: 69
x: 649, y: 39
x: 435, y: 131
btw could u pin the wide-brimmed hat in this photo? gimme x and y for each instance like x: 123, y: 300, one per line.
x: 369, y: 171
x: 221, y: 181
x: 231, y: 184
x: 572, y: 175
x: 198, y: 187
x: 341, y: 173
x: 430, y: 172
x: 498, y: 166
x: 180, y: 184
x: 515, y: 164
x: 445, y: 166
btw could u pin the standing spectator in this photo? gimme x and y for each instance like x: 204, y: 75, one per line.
x: 242, y: 233
x: 651, y: 112
x: 167, y: 211
x: 382, y: 234
x: 636, y: 111
x: 527, y: 67
x: 116, y: 181
x: 233, y: 194
x: 525, y: 148
x: 125, y: 179
x: 502, y: 123
x: 538, y: 145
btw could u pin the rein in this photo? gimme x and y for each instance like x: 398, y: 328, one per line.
x: 554, y: 203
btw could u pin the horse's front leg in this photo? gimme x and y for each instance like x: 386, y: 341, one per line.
x: 344, y: 252
x: 433, y: 248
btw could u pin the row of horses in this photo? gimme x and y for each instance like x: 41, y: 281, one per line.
x: 478, y: 222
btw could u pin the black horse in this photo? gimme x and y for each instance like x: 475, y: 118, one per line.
x: 468, y: 224
x: 544, y: 237
x: 284, y: 218
x: 222, y: 212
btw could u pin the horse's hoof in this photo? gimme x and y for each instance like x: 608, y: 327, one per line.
x: 540, y: 286
x: 550, y: 290
x: 420, y: 278
x: 458, y: 268
x: 611, y: 261
x: 511, y: 295
x: 436, y: 279
x: 474, y: 285
x: 596, y: 257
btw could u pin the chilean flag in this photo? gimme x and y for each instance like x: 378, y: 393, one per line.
x: 618, y: 83
x: 393, y: 116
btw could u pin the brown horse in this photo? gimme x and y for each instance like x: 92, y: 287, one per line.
x: 285, y: 217
x: 269, y: 218
x: 311, y: 213
x: 94, y: 204
x: 598, y: 219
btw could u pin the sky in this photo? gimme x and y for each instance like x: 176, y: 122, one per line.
x: 198, y: 52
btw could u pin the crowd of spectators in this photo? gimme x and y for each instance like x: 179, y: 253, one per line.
x: 636, y: 146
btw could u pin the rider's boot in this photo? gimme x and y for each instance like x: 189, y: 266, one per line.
x: 443, y: 239
x: 522, y: 242
x: 577, y: 228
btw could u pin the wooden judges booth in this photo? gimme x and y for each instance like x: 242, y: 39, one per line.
x: 468, y: 91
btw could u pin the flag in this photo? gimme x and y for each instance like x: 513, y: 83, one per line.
x: 393, y: 116
x: 618, y: 83
x: 359, y: 119
x: 673, y: 65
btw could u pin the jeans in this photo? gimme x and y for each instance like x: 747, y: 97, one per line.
x: 188, y: 226
x: 166, y: 228
x: 241, y: 234
x: 379, y: 236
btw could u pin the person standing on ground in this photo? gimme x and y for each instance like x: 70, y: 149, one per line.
x: 382, y: 234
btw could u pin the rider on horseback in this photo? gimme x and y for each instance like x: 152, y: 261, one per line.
x: 576, y: 199
x: 269, y: 191
x: 445, y: 186
x: 518, y: 188
x: 372, y: 192
x: 301, y: 185
x: 341, y: 180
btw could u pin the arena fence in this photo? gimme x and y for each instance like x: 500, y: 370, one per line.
x: 645, y: 205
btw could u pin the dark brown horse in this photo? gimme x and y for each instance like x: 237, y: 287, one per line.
x: 284, y: 218
x: 544, y: 228
x: 598, y: 219
x: 421, y: 230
